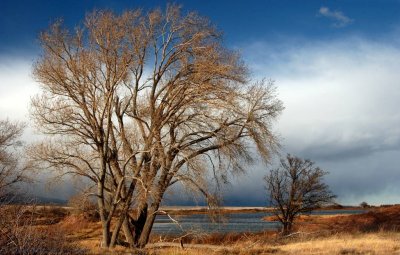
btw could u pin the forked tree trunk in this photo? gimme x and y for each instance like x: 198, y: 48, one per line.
x: 136, y: 232
x: 132, y: 228
x: 140, y: 222
x: 128, y: 232
x: 116, y: 230
x: 145, y: 234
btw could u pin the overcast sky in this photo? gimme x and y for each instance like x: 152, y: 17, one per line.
x: 336, y: 65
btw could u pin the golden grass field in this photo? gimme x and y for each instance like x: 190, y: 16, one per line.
x: 366, y: 243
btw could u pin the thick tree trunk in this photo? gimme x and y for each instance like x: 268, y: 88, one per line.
x: 287, y: 227
x: 105, y: 223
x: 140, y: 222
x: 148, y: 225
x: 128, y: 232
x: 116, y: 230
x: 106, y: 234
x: 132, y: 228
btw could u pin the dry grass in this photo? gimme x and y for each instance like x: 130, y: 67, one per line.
x: 217, y: 238
x: 29, y: 230
x: 372, y: 243
x: 375, y: 232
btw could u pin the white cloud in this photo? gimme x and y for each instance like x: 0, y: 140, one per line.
x: 16, y: 88
x: 342, y: 99
x: 340, y: 19
x: 350, y: 93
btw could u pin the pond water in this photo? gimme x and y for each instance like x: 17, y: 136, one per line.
x: 235, y: 222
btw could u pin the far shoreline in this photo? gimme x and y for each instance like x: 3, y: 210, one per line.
x: 189, y: 210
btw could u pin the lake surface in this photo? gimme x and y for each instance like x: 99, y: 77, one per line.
x: 235, y: 222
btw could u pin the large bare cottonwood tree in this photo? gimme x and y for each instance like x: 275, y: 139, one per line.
x: 137, y: 102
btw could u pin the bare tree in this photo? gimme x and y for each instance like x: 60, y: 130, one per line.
x: 12, y: 169
x: 364, y: 205
x: 140, y: 101
x: 296, y: 187
x: 82, y: 204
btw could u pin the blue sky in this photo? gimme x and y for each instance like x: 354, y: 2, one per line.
x: 241, y: 21
x: 335, y: 64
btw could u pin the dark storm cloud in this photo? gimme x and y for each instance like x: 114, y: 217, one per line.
x: 342, y: 99
x: 373, y: 177
x: 338, y: 152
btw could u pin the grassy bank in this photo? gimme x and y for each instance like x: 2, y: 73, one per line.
x: 356, y: 243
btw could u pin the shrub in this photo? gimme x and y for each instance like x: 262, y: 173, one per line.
x: 21, y: 235
x: 82, y: 204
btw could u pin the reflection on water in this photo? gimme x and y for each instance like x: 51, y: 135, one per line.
x: 237, y: 222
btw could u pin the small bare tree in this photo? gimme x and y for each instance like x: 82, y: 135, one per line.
x: 81, y: 204
x: 12, y: 169
x: 137, y: 102
x: 296, y: 187
x: 364, y: 205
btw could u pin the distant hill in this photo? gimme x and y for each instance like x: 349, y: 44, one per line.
x: 49, y: 200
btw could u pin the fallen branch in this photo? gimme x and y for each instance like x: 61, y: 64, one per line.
x: 190, y: 246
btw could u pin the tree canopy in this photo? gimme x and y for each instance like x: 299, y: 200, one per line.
x: 136, y: 102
